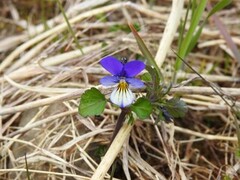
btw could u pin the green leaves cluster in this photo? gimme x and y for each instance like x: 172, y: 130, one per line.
x: 156, y: 88
x: 163, y: 109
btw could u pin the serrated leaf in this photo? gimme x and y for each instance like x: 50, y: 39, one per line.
x: 176, y: 107
x: 92, y: 103
x: 142, y: 107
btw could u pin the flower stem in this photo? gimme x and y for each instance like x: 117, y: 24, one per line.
x: 119, y: 124
x: 112, y: 152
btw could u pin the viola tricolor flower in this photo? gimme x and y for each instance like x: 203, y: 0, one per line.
x: 123, y: 77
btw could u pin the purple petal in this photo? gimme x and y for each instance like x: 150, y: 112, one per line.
x: 136, y: 83
x: 112, y: 65
x: 109, y: 80
x: 132, y: 68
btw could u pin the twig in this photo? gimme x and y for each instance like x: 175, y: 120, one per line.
x: 199, y: 134
x: 204, y: 90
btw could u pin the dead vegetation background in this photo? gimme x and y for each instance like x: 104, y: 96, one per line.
x: 43, y: 74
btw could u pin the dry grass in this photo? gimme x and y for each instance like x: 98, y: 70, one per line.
x: 43, y: 75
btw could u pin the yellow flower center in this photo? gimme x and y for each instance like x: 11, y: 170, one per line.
x: 122, y: 85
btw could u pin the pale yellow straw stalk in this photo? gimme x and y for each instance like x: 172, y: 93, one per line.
x: 112, y: 152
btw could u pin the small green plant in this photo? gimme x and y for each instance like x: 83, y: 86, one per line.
x: 122, y: 79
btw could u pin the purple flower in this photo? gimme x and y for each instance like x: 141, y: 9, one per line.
x: 123, y: 77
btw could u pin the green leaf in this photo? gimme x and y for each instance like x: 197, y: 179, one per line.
x: 195, y: 38
x: 142, y: 107
x: 154, y: 88
x: 154, y: 75
x: 145, y: 51
x: 92, y: 103
x: 146, y: 77
x: 176, y: 107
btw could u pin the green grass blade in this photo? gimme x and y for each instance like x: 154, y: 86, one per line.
x: 187, y: 39
x: 194, y: 39
x: 193, y: 5
x: 143, y: 48
x: 69, y: 27
x: 219, y: 6
x: 28, y: 174
x: 182, y: 27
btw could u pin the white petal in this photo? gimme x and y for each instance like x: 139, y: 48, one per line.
x: 122, y: 97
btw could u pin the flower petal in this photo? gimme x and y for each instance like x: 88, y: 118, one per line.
x: 109, y: 80
x: 122, y: 95
x: 136, y: 83
x: 112, y: 65
x: 132, y: 68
